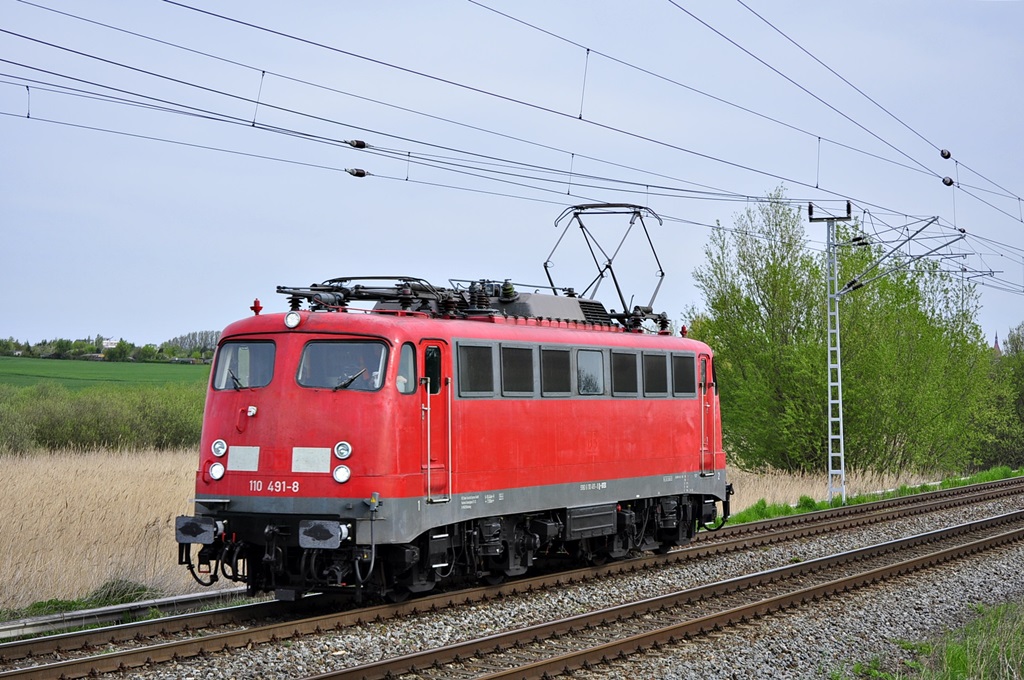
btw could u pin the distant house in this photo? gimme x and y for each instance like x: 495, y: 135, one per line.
x: 109, y: 344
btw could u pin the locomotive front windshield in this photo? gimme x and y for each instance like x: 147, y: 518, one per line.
x: 343, y: 365
x: 244, y: 364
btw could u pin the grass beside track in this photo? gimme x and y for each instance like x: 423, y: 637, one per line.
x: 991, y: 646
x: 762, y: 509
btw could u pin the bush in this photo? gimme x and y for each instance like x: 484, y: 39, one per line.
x: 16, y: 433
x: 49, y: 416
x: 806, y: 504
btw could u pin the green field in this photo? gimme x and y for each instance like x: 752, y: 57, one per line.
x: 23, y: 372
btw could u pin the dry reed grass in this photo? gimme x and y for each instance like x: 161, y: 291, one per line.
x: 787, y: 488
x: 73, y: 521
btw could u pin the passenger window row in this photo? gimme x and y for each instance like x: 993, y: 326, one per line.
x: 518, y: 370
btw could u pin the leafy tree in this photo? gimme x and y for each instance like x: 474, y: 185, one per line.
x: 62, y: 349
x: 80, y: 348
x: 120, y: 352
x: 144, y: 353
x: 1001, y: 424
x: 765, y: 319
x: 202, y: 342
x: 914, y: 364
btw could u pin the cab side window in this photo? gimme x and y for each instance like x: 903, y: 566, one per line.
x: 432, y: 368
x: 406, y: 381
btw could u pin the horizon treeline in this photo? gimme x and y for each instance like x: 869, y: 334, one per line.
x: 195, y: 345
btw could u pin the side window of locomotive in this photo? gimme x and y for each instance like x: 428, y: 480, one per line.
x: 432, y: 367
x: 406, y: 381
x: 555, y: 373
x: 476, y: 370
x: 517, y: 371
x: 684, y: 376
x: 655, y: 375
x: 589, y: 371
x: 624, y: 380
x: 343, y: 365
x: 244, y: 364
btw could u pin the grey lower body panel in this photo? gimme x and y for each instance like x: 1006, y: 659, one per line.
x: 400, y: 520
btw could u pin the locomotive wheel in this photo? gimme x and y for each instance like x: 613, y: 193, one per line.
x: 494, y: 578
x: 397, y: 594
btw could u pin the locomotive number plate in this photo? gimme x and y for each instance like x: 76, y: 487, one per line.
x: 274, y: 486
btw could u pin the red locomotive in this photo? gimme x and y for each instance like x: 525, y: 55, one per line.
x: 468, y: 431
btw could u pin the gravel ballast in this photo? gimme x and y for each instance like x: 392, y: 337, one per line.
x: 810, y: 642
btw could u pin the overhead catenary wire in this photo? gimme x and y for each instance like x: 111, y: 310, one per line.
x: 169, y: 106
x: 429, y: 160
x: 803, y: 89
x: 263, y: 72
x: 721, y: 100
x: 342, y: 142
x: 731, y: 195
x: 508, y: 99
x: 1005, y: 192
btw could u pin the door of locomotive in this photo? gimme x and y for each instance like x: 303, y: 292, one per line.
x: 435, y: 410
x: 708, y: 416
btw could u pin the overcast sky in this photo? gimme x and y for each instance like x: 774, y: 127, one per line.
x: 163, y: 166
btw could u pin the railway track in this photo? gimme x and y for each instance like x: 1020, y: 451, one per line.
x: 562, y: 646
x: 116, y: 614
x: 149, y: 642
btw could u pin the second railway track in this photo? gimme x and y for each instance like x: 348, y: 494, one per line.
x: 565, y: 645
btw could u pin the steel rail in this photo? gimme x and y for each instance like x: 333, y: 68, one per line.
x: 115, y: 614
x: 739, y: 615
x: 1000, y: 488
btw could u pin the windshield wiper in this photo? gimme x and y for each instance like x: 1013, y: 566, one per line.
x: 234, y: 379
x: 348, y: 381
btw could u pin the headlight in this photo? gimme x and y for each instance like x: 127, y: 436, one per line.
x: 342, y: 474
x: 217, y: 471
x: 219, y: 447
x: 342, y: 450
x: 292, y: 319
